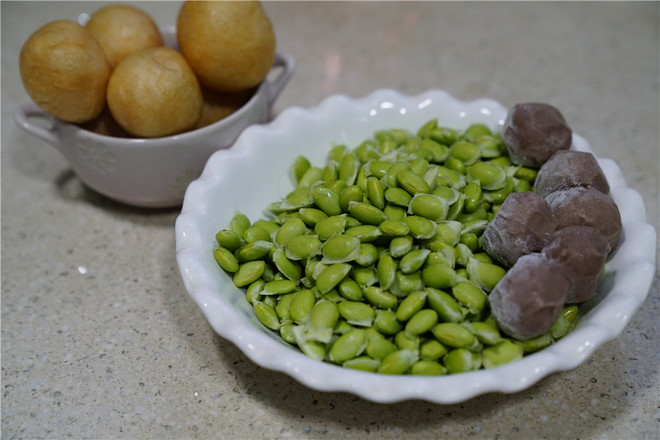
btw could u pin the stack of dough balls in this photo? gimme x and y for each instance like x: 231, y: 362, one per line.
x: 114, y: 75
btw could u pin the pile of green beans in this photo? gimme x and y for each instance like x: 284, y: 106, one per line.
x: 373, y: 261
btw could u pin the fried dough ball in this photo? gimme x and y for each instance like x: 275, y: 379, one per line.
x: 230, y: 45
x: 65, y: 71
x: 155, y: 93
x: 219, y: 105
x: 122, y: 30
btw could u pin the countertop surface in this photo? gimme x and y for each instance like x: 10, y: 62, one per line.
x: 101, y: 340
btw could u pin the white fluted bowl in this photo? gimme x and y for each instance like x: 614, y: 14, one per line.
x: 254, y: 173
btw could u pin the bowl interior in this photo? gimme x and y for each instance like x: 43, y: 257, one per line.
x: 255, y: 172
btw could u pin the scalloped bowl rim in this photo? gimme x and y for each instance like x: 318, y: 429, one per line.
x: 211, y: 200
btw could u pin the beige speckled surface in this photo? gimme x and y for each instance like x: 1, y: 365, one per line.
x: 100, y: 339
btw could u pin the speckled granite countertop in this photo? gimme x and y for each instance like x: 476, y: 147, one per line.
x: 100, y: 339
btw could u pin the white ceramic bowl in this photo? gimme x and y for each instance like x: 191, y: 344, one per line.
x: 152, y: 173
x: 254, y: 173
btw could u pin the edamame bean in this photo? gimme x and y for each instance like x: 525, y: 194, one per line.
x: 393, y: 212
x: 357, y: 313
x: 368, y: 254
x: 466, y: 152
x: 303, y: 247
x: 351, y: 193
x: 324, y: 315
x: 350, y: 289
x: 432, y: 349
x: 412, y: 183
x: 348, y: 168
x: 422, y: 321
x: 287, y: 267
x: 365, y: 233
x: 484, y: 275
x: 380, y: 298
x: 375, y: 192
x: 282, y: 307
x: 348, y: 346
x: 253, y: 291
x: 470, y: 296
x: 365, y: 276
x: 425, y: 367
x: 429, y: 206
x: 279, y: 287
x: 411, y: 305
x: 228, y: 239
x: 331, y: 276
x: 299, y: 167
x: 362, y: 363
x: 394, y: 228
x: 400, y: 246
x: 452, y: 334
x: 501, y: 353
x: 249, y: 272
x: 397, y: 362
x: 266, y: 315
x: 239, y: 223
x: 301, y: 306
x: 340, y: 249
x: 439, y: 276
x: 397, y: 196
x: 329, y: 227
x: 420, y: 227
x: 225, y: 259
x: 327, y: 200
x: 379, y: 348
x: 386, y: 322
x: 386, y: 271
x: 461, y: 360
x: 366, y: 213
x: 413, y: 260
x: 311, y: 216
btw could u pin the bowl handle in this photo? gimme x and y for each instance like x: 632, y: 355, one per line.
x: 276, y: 85
x: 22, y: 117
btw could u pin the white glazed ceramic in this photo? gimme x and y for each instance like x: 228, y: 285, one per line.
x: 254, y: 172
x: 154, y: 172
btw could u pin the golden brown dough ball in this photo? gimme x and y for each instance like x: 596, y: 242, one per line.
x: 219, y: 105
x: 230, y: 45
x: 65, y: 71
x: 155, y: 93
x: 122, y: 30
